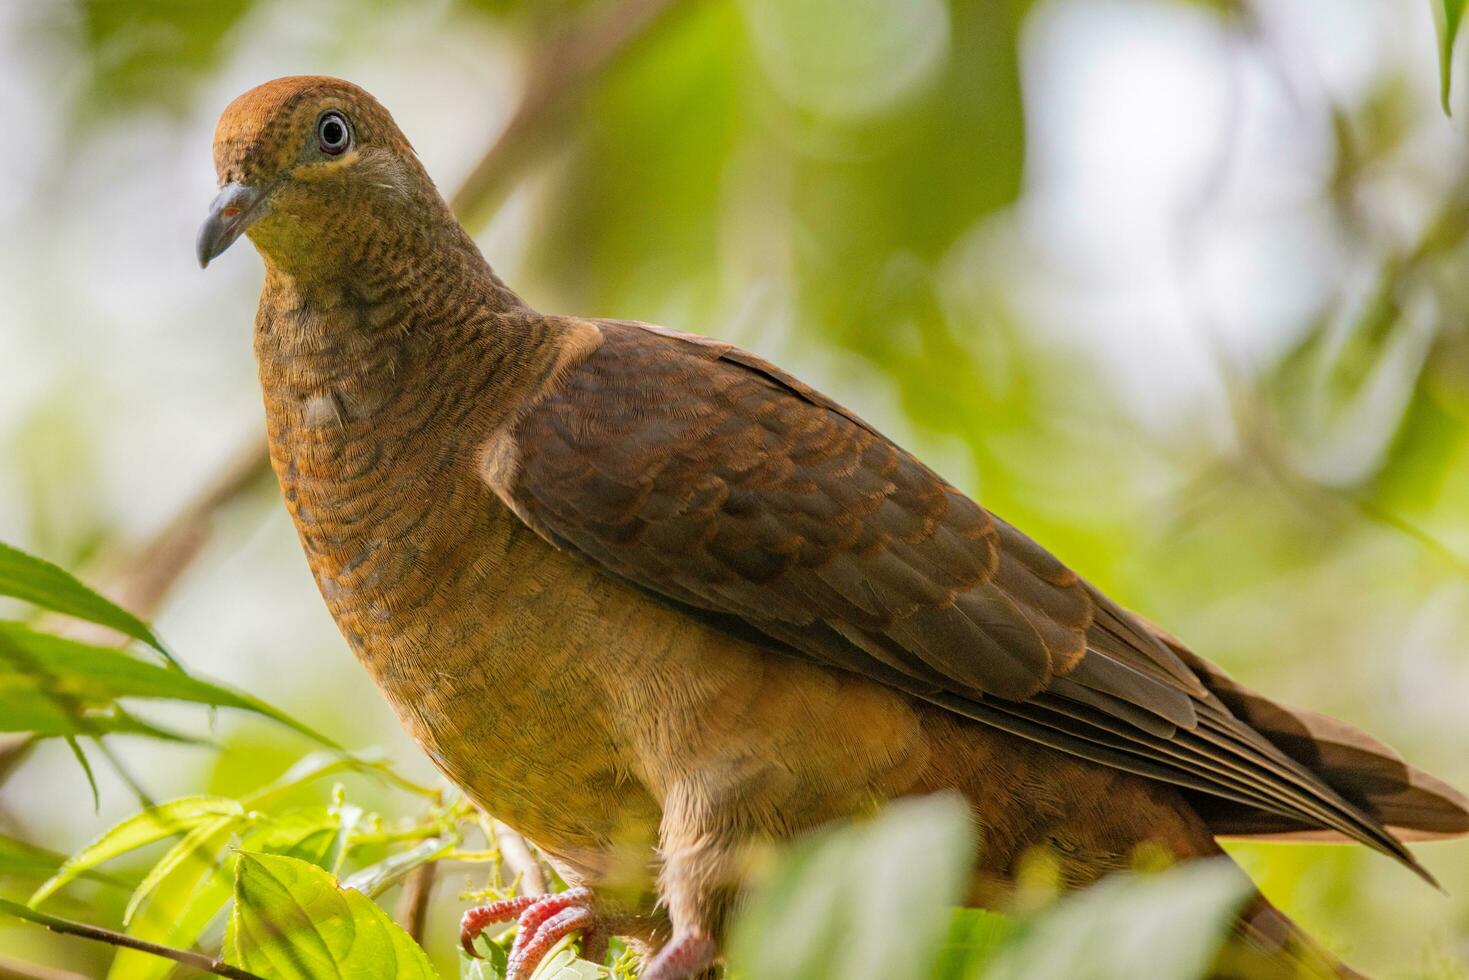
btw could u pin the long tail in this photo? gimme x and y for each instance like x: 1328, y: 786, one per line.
x: 1412, y: 804
x: 1269, y: 946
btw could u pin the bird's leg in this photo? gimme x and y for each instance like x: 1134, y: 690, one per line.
x: 697, y: 884
x: 541, y: 923
x: 682, y: 958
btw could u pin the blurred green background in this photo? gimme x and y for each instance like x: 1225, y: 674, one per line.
x: 1177, y: 287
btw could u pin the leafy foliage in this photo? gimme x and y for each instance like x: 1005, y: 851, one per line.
x: 55, y: 686
x: 835, y: 169
x: 51, y: 686
x: 179, y: 816
x: 835, y: 904
x: 43, y: 584
x: 1174, y: 922
x: 293, y: 921
x: 875, y: 901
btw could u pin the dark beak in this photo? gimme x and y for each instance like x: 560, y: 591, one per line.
x: 237, y: 207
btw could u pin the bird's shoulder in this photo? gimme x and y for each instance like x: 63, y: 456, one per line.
x: 713, y: 477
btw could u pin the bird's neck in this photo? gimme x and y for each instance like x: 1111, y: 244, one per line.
x: 399, y: 312
x: 380, y: 394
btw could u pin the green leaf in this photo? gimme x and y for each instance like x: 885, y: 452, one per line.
x: 37, y: 581
x: 26, y: 705
x: 975, y: 937
x: 378, y: 878
x: 292, y: 920
x: 81, y: 758
x: 317, y: 765
x: 208, y: 836
x: 45, y: 677
x: 174, y: 817
x: 1168, y: 925
x: 491, y: 965
x: 562, y: 963
x: 1447, y: 15
x: 867, y: 899
x: 20, y: 859
x: 193, y: 882
x: 153, y: 54
x: 182, y: 905
x: 27, y: 860
x: 312, y: 834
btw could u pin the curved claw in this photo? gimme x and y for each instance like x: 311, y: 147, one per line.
x: 476, y: 919
x: 527, y: 953
x: 541, y: 922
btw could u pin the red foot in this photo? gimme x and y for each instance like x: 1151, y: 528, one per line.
x: 541, y: 923
x: 683, y: 958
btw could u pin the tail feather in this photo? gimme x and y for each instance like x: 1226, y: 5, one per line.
x: 1269, y: 946
x: 1412, y: 804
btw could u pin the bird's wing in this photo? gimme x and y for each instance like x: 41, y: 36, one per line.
x: 713, y: 479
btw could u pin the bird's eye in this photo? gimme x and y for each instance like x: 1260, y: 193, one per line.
x: 332, y: 133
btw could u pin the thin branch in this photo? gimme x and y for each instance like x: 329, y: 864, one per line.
x: 519, y: 860
x: 147, y: 577
x: 418, y: 889
x: 14, y: 748
x: 70, y: 927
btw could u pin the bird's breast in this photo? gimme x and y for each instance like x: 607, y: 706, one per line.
x: 453, y: 606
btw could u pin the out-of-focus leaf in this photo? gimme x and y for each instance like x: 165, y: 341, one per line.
x: 58, y: 674
x: 151, y: 52
x: 378, y: 878
x: 975, y: 936
x: 835, y: 903
x: 37, y: 581
x: 23, y: 860
x: 639, y: 202
x: 1428, y: 446
x: 317, y: 765
x: 27, y: 860
x: 292, y: 921
x: 1447, y: 15
x: 849, y: 58
x: 27, y: 706
x: 81, y: 758
x: 174, y: 817
x: 1168, y: 926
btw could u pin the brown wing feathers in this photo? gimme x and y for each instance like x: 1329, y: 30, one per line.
x: 708, y: 477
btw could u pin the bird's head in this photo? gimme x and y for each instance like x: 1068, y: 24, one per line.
x: 314, y: 170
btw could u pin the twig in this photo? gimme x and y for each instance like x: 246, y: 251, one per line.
x: 72, y: 928
x: 516, y: 854
x: 14, y: 747
x: 418, y: 889
x: 142, y: 583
